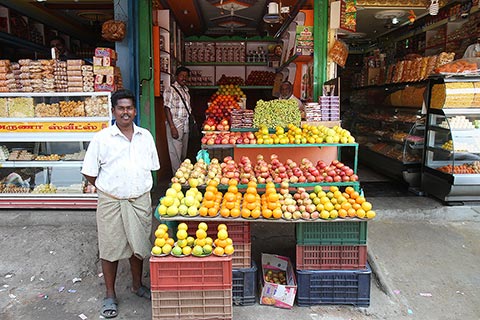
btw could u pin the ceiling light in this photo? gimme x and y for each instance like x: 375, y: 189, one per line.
x: 274, y: 12
x: 395, y: 20
x: 234, y: 5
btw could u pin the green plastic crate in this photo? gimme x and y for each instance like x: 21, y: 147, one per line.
x: 332, y: 233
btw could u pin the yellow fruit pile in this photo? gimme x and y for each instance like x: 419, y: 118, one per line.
x: 231, y: 201
x: 271, y: 207
x: 184, y: 242
x: 251, y: 202
x: 203, y: 243
x: 211, y: 200
x: 334, y: 203
x: 223, y: 244
x: 163, y: 242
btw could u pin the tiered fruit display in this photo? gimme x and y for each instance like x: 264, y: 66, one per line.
x: 202, y: 243
x: 226, y: 137
x: 187, y: 171
x: 231, y: 201
x: 335, y: 172
x: 251, y: 202
x: 169, y: 205
x: 276, y: 113
x: 288, y: 203
x: 271, y: 208
x: 211, y: 200
x: 183, y: 246
x: 229, y: 90
x: 247, y: 173
x: 163, y: 243
x: 223, y: 244
x: 191, y: 202
x: 218, y: 113
x: 229, y: 170
x: 466, y: 168
x: 214, y: 171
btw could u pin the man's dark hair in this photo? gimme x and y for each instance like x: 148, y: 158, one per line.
x: 62, y: 41
x: 122, y: 94
x: 287, y: 82
x: 181, y: 69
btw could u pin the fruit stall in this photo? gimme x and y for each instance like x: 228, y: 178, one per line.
x: 271, y: 168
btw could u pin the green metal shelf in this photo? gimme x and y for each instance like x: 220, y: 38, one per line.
x: 296, y: 145
x: 355, y: 184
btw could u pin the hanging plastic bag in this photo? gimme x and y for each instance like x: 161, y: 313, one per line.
x: 339, y: 53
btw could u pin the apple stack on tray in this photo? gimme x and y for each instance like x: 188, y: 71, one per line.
x: 242, y: 118
x: 334, y: 254
x: 219, y: 111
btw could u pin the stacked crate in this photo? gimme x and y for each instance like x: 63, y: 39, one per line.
x: 244, y: 272
x: 331, y: 263
x: 191, y: 288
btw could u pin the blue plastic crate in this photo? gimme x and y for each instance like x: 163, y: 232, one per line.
x: 244, y: 285
x: 334, y: 287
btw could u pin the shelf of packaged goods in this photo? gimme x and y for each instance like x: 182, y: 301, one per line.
x: 52, y: 94
x: 212, y: 64
x: 22, y: 43
x: 241, y: 87
x: 40, y: 164
x: 48, y: 201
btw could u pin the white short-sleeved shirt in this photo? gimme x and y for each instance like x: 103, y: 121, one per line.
x: 122, y: 167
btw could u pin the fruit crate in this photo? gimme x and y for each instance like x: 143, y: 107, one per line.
x: 244, y: 285
x: 334, y: 287
x: 191, y: 273
x: 242, y: 256
x: 332, y: 233
x: 331, y: 257
x: 239, y: 232
x: 192, y: 304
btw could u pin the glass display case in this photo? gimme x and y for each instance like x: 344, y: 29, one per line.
x: 391, y: 136
x: 43, y: 139
x: 451, y: 168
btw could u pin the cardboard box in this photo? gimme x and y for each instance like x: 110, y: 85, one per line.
x: 105, y: 87
x: 278, y: 295
x: 105, y: 52
x: 104, y: 70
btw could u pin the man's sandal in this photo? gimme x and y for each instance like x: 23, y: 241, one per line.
x: 144, y: 292
x: 109, y: 308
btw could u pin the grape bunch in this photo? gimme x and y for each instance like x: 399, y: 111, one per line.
x: 276, y: 113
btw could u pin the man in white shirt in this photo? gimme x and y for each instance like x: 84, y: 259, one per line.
x: 119, y: 161
x: 473, y: 50
x: 286, y: 92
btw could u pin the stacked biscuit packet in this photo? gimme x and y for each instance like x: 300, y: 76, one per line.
x: 241, y: 118
x: 74, y: 75
x: 107, y: 75
x: 88, y: 78
x: 25, y: 82
x: 7, y: 81
x: 60, y: 76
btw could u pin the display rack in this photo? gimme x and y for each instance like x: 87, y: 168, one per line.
x: 451, y: 166
x: 47, y: 136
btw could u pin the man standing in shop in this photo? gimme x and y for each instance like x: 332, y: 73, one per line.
x: 177, y: 110
x: 286, y: 92
x: 473, y: 50
x: 118, y: 162
x: 61, y: 49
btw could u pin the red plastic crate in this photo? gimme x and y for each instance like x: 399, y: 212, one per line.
x: 191, y: 273
x: 198, y: 305
x: 331, y: 257
x: 242, y: 256
x: 239, y: 232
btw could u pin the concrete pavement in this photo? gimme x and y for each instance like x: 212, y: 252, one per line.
x: 424, y: 258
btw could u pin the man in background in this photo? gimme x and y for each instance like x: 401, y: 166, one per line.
x: 286, y: 92
x: 61, y: 49
x: 473, y: 50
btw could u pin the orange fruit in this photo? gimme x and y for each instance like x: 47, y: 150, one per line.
x: 233, y: 189
x: 367, y: 206
x: 212, y: 212
x: 224, y: 212
x: 251, y: 205
x: 208, y: 203
x: 346, y: 205
x: 356, y: 206
x: 235, y: 212
x: 256, y: 213
x: 229, y: 205
x: 203, y: 211
x: 354, y: 195
x: 352, y: 212
x: 246, y: 213
x: 252, y: 184
x: 211, y: 188
x: 370, y: 214
x: 229, y: 249
x: 342, y: 213
x: 267, y: 213
x: 221, y: 243
x: 333, y: 188
x: 251, y: 190
x: 209, y: 195
x: 230, y: 197
x: 361, y: 213
x: 272, y: 205
x: 219, y: 251
x: 273, y: 197
x: 277, y: 213
x: 250, y: 197
x: 349, y: 190
x: 360, y: 200
x: 232, y: 182
x: 219, y: 196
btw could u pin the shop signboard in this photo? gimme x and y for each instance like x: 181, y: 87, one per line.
x: 343, y: 15
x: 304, y: 40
